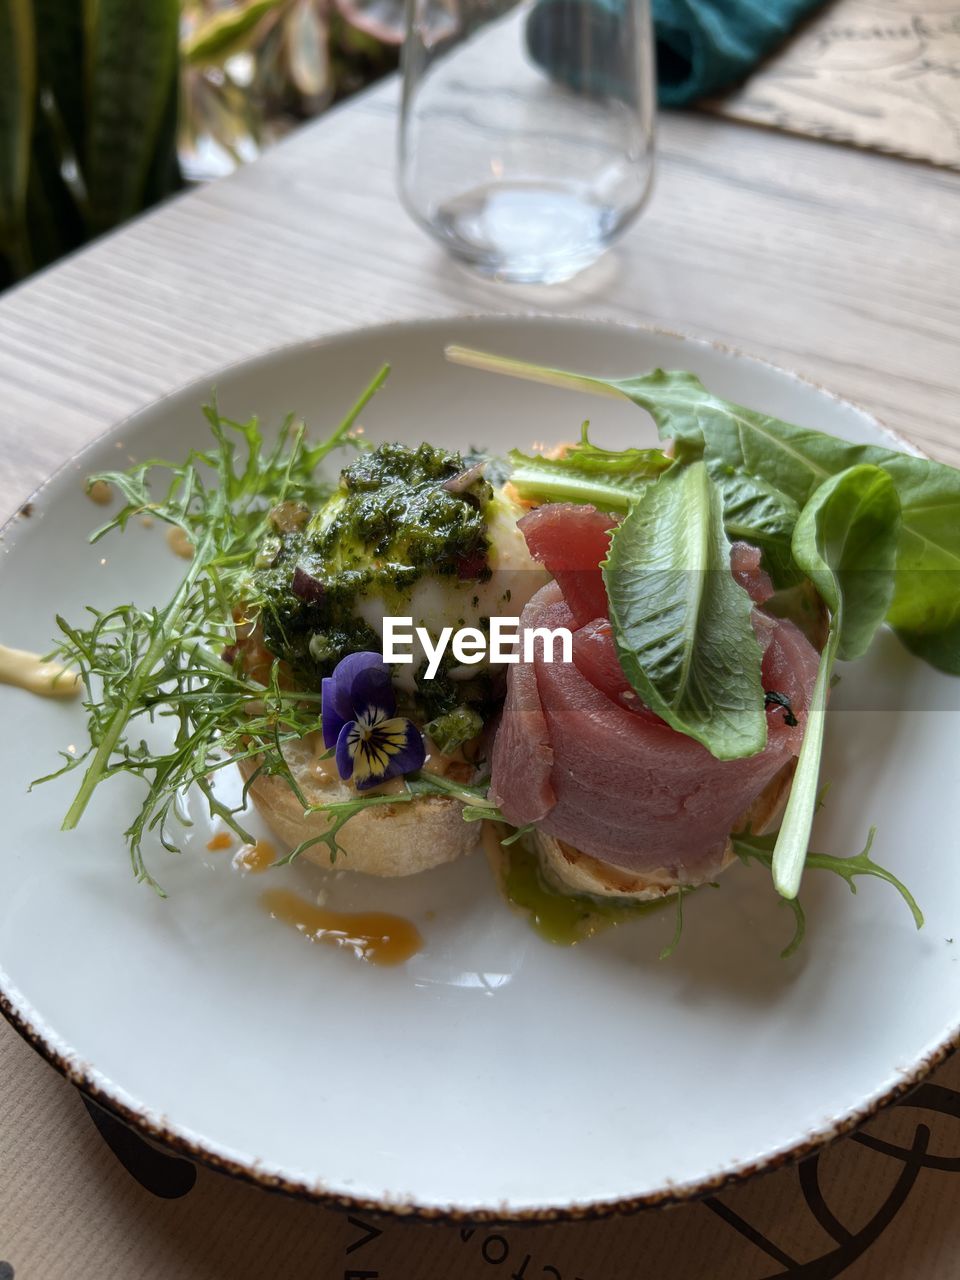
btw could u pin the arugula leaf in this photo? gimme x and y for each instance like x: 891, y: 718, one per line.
x: 753, y: 508
x: 846, y: 542
x: 609, y: 479
x: 681, y: 623
x: 925, y: 609
x: 794, y: 461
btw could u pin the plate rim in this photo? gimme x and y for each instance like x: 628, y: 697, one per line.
x: 27, y: 1022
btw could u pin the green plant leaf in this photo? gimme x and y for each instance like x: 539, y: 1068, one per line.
x: 131, y: 63
x: 794, y: 461
x: 681, y: 623
x: 60, y: 65
x: 54, y: 222
x: 846, y: 542
x: 225, y: 32
x: 17, y: 105
x: 609, y: 479
x: 760, y: 849
x: 753, y: 509
x: 925, y: 609
x: 163, y: 172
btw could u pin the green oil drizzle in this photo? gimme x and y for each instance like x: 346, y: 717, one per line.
x: 562, y: 918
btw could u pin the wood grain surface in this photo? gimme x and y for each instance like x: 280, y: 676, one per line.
x: 842, y: 265
x: 875, y: 73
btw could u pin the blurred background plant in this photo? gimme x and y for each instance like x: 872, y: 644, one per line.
x: 107, y: 106
x: 88, y: 111
x: 253, y: 70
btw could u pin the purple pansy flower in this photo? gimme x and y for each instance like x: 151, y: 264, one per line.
x: 359, y: 718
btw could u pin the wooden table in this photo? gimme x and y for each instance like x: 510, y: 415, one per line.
x: 842, y: 265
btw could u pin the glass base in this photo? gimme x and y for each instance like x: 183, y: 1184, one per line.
x: 526, y: 233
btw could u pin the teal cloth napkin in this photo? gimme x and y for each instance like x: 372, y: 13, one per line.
x: 703, y: 46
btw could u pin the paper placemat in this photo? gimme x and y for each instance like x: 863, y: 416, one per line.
x: 82, y: 1198
x: 882, y: 74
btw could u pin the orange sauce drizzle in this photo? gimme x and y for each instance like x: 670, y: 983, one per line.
x: 373, y: 936
x: 222, y: 840
x: 255, y: 857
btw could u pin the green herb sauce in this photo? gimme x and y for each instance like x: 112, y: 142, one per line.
x: 453, y: 729
x: 562, y: 918
x: 389, y: 523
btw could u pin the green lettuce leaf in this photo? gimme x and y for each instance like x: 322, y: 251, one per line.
x: 925, y: 609
x: 794, y: 461
x: 681, y: 623
x: 754, y: 510
x: 609, y: 479
x: 846, y: 542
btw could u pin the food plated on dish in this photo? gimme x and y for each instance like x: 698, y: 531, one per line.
x: 361, y: 641
x: 183, y: 1012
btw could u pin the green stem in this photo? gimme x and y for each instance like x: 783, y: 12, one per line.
x: 531, y: 372
x: 313, y: 456
x: 793, y: 839
x: 121, y: 716
x: 539, y: 485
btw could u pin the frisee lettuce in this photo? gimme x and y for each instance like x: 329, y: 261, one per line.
x: 139, y: 665
x: 761, y: 849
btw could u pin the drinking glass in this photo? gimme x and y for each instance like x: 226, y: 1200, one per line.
x: 527, y: 130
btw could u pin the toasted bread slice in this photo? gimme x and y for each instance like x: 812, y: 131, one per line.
x: 382, y: 840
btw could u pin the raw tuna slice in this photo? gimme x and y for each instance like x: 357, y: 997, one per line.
x: 571, y: 541
x: 578, y: 753
x: 523, y: 735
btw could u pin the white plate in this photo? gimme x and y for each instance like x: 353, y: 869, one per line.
x: 494, y: 1074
